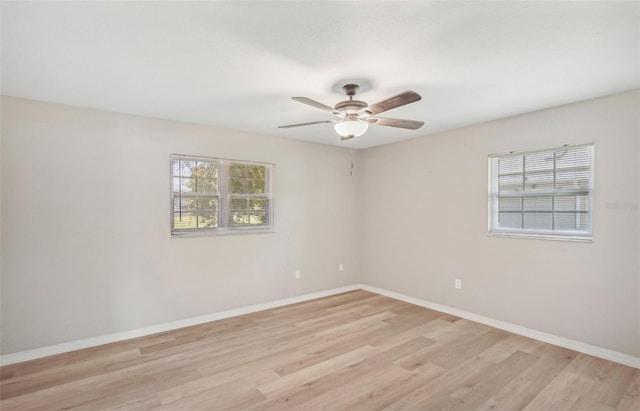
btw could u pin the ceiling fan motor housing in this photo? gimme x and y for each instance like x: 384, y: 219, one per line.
x: 350, y: 106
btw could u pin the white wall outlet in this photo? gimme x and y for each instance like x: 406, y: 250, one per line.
x: 297, y: 274
x: 340, y: 267
x: 458, y: 284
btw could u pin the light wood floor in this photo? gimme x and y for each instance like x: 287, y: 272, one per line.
x: 353, y: 351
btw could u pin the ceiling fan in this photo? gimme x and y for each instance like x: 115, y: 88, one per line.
x: 355, y: 116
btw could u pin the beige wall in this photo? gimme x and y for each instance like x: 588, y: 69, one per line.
x: 425, y: 224
x: 86, y: 249
x: 85, y: 219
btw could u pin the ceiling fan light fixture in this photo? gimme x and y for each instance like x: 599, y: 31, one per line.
x: 349, y: 128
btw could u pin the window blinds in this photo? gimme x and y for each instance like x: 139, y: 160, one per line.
x: 546, y: 192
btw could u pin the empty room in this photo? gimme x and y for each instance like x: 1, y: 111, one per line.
x: 319, y: 205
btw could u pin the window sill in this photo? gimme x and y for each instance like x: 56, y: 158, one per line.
x: 570, y: 238
x: 218, y: 233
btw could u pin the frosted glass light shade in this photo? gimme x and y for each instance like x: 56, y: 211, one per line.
x: 351, y: 128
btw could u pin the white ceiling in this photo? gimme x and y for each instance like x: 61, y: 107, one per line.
x: 236, y: 64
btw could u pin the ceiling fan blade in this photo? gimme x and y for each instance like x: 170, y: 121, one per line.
x: 397, y: 122
x: 393, y: 102
x: 308, y: 124
x: 316, y: 104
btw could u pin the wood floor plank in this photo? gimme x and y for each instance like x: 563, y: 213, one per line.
x: 481, y: 385
x: 420, y: 397
x: 233, y: 395
x: 51, y: 377
x: 293, y: 398
x: 561, y: 393
x: 351, y: 351
x: 610, y: 380
x: 518, y: 392
x: 344, y: 396
x: 383, y: 396
x: 630, y: 400
x: 305, y: 375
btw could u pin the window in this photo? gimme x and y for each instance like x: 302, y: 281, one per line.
x: 542, y: 193
x: 218, y: 196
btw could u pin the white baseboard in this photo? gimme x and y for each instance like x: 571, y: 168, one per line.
x: 140, y: 332
x: 502, y: 325
x: 516, y: 329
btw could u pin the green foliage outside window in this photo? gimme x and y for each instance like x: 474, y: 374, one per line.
x: 244, y: 180
x: 195, y: 211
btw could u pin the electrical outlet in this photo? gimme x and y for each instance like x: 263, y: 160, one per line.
x: 297, y: 274
x: 340, y: 267
x: 457, y: 284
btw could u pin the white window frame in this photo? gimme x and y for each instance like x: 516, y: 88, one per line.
x: 553, y: 234
x: 224, y: 195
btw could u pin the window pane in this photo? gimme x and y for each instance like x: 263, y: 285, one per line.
x: 538, y: 204
x: 248, y: 211
x: 189, y: 205
x: 245, y: 204
x: 207, y: 177
x: 239, y: 218
x: 238, y: 185
x: 257, y: 218
x: 257, y: 172
x: 256, y: 186
x: 186, y: 185
x: 540, y: 180
x: 248, y: 218
x: 191, y: 212
x: 207, y: 212
x: 571, y: 203
x: 178, y: 204
x: 207, y: 185
x: 238, y: 170
x: 247, y: 178
x: 572, y: 157
x: 572, y: 221
x: 510, y: 220
x: 572, y: 179
x: 184, y: 220
x: 183, y: 168
x: 239, y: 204
x: 538, y: 161
x: 510, y: 183
x: 538, y: 221
x: 191, y: 176
x: 184, y: 205
x: 175, y: 184
x: 510, y: 165
x: 257, y: 204
x: 510, y: 203
x: 207, y: 169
